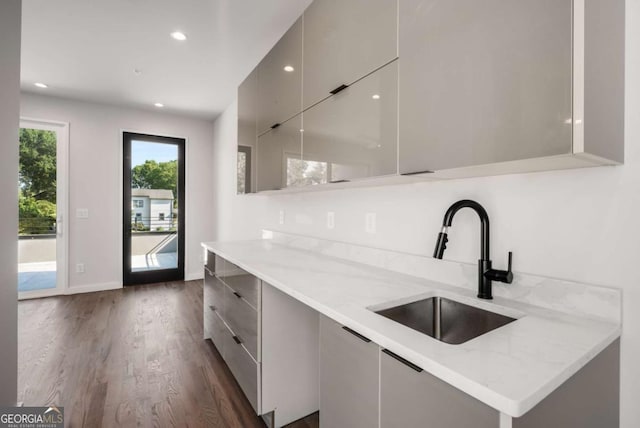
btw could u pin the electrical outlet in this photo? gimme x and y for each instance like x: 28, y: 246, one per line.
x: 281, y: 220
x: 331, y: 220
x: 370, y: 223
x: 80, y: 268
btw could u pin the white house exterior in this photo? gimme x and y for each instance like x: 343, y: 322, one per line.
x: 152, y: 208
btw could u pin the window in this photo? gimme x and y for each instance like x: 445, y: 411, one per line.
x: 161, y: 216
x: 138, y: 203
x: 306, y: 172
x: 244, y: 170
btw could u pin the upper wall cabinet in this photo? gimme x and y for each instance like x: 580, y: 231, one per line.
x: 247, y: 133
x: 353, y: 134
x: 344, y: 41
x: 280, y: 80
x: 495, y: 81
x: 279, y: 157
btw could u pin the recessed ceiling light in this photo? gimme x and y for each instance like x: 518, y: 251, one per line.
x: 159, y: 105
x: 179, y: 36
x: 288, y: 68
x: 41, y: 85
x: 375, y: 96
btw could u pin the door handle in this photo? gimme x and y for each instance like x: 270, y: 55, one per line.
x: 59, y: 226
x: 402, y: 360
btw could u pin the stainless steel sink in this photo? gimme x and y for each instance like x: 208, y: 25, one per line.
x: 446, y: 320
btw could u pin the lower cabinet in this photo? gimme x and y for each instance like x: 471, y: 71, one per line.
x: 268, y: 339
x: 411, y: 397
x: 348, y: 378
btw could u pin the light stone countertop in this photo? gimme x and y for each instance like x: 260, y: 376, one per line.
x: 510, y: 369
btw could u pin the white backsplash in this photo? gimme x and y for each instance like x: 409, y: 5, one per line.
x: 565, y: 296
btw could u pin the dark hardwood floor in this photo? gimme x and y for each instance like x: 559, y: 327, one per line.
x: 129, y: 357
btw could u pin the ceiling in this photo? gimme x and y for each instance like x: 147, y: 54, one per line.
x: 89, y: 49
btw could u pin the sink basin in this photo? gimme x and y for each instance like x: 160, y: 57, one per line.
x: 446, y: 320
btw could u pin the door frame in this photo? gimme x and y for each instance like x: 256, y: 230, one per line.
x: 159, y: 275
x: 62, y: 205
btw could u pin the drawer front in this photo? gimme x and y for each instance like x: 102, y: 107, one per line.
x: 243, y: 320
x: 242, y: 282
x: 213, y: 292
x: 214, y: 328
x: 245, y: 370
x: 210, y: 260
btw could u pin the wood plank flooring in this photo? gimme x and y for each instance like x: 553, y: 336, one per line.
x: 129, y: 357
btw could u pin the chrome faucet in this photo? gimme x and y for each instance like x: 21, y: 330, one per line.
x: 485, y: 273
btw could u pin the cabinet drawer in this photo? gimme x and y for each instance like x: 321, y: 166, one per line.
x: 214, y: 327
x: 241, y: 282
x: 213, y: 292
x: 243, y: 320
x: 245, y: 370
x: 210, y: 260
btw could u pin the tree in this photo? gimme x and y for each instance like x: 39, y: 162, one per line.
x: 154, y: 175
x: 38, y: 164
x: 37, y: 182
x: 305, y: 173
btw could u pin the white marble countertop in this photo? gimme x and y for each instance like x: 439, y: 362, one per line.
x: 510, y: 369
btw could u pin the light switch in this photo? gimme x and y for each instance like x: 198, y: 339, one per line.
x: 281, y: 219
x: 331, y: 220
x: 82, y: 213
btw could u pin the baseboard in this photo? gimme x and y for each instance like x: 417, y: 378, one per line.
x: 193, y: 276
x: 93, y: 287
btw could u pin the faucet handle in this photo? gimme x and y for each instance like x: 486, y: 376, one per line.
x: 505, y: 276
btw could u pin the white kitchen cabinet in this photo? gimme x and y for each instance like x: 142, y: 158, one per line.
x: 527, y: 85
x: 344, y: 41
x: 349, y: 384
x: 280, y: 80
x: 290, y: 332
x: 353, y: 134
x: 268, y: 339
x: 248, y: 126
x: 411, y: 397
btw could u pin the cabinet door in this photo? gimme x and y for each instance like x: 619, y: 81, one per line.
x: 290, y: 354
x: 349, y: 378
x: 247, y: 131
x: 483, y: 82
x: 279, y: 156
x: 410, y: 397
x: 353, y: 134
x: 280, y: 80
x: 344, y: 41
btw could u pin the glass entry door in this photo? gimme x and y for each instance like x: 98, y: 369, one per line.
x: 153, y: 209
x: 42, y: 189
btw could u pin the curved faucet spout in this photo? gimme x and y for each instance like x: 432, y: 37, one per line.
x: 484, y: 223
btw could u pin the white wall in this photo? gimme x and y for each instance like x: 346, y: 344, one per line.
x: 95, y: 161
x: 10, y: 11
x: 581, y: 225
